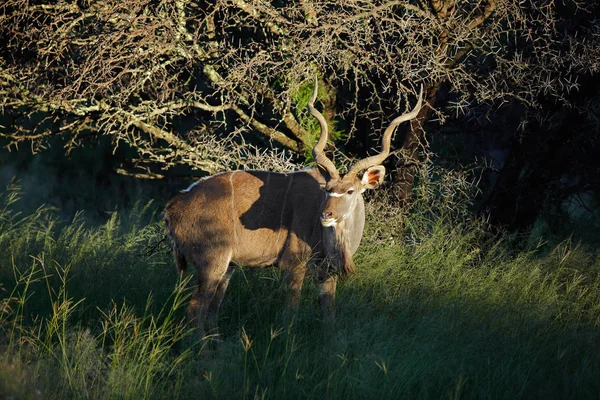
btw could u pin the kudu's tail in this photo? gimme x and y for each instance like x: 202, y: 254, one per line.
x: 180, y: 260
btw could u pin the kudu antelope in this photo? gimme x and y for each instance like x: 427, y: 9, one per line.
x: 259, y: 218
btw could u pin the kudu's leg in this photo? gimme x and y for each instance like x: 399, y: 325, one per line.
x: 293, y: 278
x: 215, y: 304
x: 327, y: 299
x: 210, y: 274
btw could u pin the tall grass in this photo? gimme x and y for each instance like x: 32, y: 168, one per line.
x: 440, y: 308
x: 79, y: 319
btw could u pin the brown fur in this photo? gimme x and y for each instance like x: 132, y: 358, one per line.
x: 256, y: 219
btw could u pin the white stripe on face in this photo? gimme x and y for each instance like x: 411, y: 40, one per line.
x: 333, y: 194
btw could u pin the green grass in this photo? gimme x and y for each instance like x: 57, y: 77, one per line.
x: 440, y: 308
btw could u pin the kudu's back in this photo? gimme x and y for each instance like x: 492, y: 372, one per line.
x: 251, y: 218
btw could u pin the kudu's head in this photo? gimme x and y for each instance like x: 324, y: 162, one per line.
x: 343, y: 191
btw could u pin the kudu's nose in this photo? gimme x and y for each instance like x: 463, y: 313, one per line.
x: 327, y: 219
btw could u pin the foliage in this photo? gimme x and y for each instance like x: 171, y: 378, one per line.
x: 440, y: 307
x: 181, y: 82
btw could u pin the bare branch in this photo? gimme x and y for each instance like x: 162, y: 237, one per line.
x: 164, y: 77
x: 268, y: 131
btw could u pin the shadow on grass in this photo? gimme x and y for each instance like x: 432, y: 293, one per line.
x: 419, y: 344
x: 92, y: 316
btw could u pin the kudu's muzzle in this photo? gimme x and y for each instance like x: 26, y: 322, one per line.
x: 327, y: 219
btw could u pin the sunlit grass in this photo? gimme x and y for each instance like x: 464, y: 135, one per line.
x: 440, y: 308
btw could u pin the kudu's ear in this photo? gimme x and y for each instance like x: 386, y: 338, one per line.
x: 373, y: 177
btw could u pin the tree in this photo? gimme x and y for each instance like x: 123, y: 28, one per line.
x: 205, y: 84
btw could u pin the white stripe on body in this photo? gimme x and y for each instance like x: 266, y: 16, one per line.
x: 233, y: 207
x: 200, y: 180
x: 291, y: 179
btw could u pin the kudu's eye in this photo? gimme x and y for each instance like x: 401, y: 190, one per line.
x: 350, y: 191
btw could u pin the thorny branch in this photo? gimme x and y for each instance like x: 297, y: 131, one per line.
x: 203, y: 83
